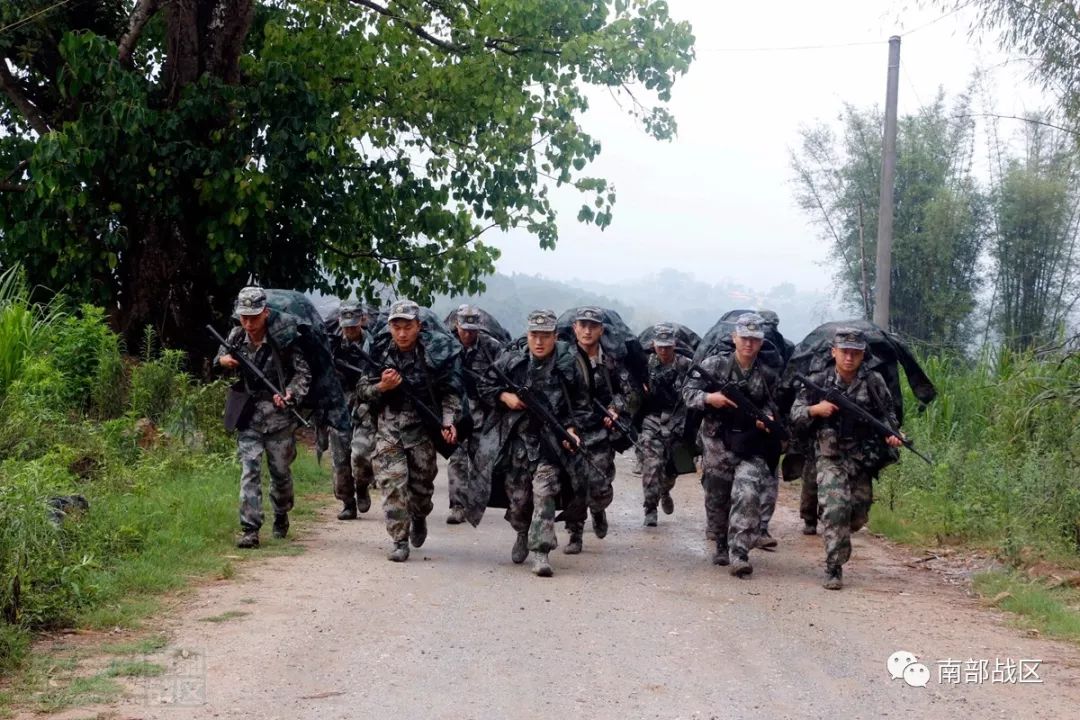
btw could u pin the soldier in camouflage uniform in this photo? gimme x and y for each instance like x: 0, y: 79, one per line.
x: 521, y: 449
x: 766, y: 541
x: 404, y: 460
x: 662, y: 426
x: 271, y: 425
x: 735, y: 474
x: 848, y: 454
x: 478, y: 351
x: 351, y: 453
x: 610, y: 382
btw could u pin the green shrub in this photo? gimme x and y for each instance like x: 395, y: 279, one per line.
x: 22, y: 326
x: 1005, y: 436
x: 88, y: 354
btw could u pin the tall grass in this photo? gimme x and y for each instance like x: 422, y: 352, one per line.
x: 23, y: 325
x: 1005, y: 436
x: 162, y: 495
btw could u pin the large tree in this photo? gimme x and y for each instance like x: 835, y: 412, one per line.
x: 155, y: 154
x: 939, y: 214
x: 1034, y: 249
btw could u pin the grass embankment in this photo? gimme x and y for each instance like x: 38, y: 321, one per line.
x: 1005, y: 438
x: 143, y: 444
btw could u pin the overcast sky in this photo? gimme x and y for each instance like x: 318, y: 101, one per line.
x: 718, y: 200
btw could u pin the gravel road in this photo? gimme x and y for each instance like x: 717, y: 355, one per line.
x: 640, y: 625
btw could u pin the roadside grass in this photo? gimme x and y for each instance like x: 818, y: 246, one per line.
x: 1004, y: 434
x: 1053, y: 611
x: 187, y: 538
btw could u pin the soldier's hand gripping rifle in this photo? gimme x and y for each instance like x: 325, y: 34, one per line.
x: 431, y: 419
x: 255, y: 372
x: 620, y: 424
x: 743, y: 404
x: 849, y: 406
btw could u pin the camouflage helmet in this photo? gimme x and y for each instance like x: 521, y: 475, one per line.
x: 663, y: 336
x: 251, y: 300
x: 542, y: 321
x: 588, y: 313
x: 404, y: 310
x: 750, y: 325
x: 849, y: 338
x: 468, y: 318
x: 350, y: 314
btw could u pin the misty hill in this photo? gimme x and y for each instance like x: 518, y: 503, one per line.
x: 667, y: 295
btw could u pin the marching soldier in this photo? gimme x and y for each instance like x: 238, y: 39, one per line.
x: 478, y: 351
x: 848, y: 454
x: 609, y: 382
x: 404, y: 460
x: 735, y: 473
x: 352, y: 454
x: 268, y: 425
x: 521, y: 447
x: 662, y: 425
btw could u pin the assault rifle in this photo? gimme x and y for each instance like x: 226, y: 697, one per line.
x: 428, y: 416
x: 246, y: 364
x: 743, y: 404
x: 621, y: 425
x: 849, y: 406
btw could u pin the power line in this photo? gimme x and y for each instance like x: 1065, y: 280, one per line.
x: 24, y: 20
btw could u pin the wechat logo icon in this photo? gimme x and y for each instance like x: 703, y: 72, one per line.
x: 903, y: 665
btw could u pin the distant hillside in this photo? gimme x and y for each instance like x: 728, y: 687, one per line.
x: 667, y: 295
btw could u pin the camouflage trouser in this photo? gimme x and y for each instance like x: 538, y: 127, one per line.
x: 406, y: 478
x: 460, y: 466
x: 845, y: 493
x: 657, y: 479
x: 808, y: 496
x: 768, y: 500
x: 532, y: 487
x: 352, y: 461
x: 735, y: 489
x: 280, y: 449
x: 600, y: 475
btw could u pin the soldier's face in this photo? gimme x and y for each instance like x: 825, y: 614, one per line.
x: 666, y: 354
x: 467, y: 337
x: 541, y: 343
x: 255, y: 325
x: 848, y: 361
x: 746, y: 348
x: 588, y: 332
x: 353, y: 334
x: 405, y: 333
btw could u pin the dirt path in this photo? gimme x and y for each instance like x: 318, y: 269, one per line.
x: 640, y: 625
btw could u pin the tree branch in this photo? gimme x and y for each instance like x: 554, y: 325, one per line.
x: 27, y: 108
x: 140, y: 16
x: 507, y: 46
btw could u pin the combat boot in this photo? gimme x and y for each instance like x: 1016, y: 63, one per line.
x: 574, y: 546
x: 418, y: 531
x: 363, y: 500
x: 400, y: 553
x: 765, y: 541
x: 348, y: 512
x: 809, y: 528
x: 541, y: 566
x: 521, y: 548
x: 720, y: 557
x: 741, y: 567
x: 667, y: 504
x: 599, y: 523
x: 650, y: 518
x: 834, y: 577
x: 249, y: 540
x: 281, y: 525
x: 456, y: 516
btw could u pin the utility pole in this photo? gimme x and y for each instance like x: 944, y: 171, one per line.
x: 883, y: 267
